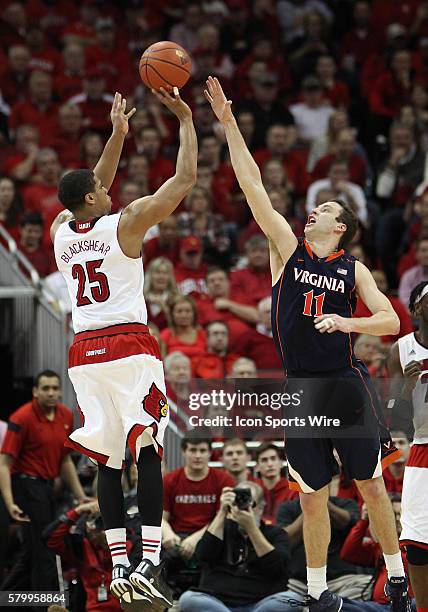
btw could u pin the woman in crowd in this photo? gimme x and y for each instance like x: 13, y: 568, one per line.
x: 160, y: 289
x: 91, y: 147
x: 184, y: 334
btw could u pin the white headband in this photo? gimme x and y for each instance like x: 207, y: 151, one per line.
x: 422, y: 294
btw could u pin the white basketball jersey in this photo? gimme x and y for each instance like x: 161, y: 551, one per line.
x: 105, y: 286
x: 411, y: 350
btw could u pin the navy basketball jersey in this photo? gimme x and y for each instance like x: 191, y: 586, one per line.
x: 308, y: 287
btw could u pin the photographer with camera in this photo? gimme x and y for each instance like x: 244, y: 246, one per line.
x: 245, y: 562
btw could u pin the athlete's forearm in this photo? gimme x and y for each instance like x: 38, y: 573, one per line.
x: 246, y: 170
x: 379, y: 324
x: 5, y: 483
x: 187, y: 156
x: 106, y: 167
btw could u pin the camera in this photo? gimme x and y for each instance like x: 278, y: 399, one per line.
x: 243, y: 498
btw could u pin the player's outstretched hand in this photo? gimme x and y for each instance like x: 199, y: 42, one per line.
x: 119, y: 116
x: 331, y: 323
x: 174, y: 103
x: 219, y: 103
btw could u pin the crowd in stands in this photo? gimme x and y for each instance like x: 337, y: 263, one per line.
x: 331, y: 97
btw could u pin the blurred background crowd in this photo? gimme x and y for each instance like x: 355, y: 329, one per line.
x: 331, y: 97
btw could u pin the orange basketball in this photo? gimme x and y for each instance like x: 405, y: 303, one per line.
x: 165, y: 64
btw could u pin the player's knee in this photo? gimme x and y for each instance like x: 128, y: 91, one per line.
x: 372, y: 490
x: 416, y: 555
x: 311, y: 503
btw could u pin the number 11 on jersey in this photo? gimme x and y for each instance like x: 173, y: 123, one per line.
x: 319, y: 303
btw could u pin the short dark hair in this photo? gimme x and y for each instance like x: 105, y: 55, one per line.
x: 47, y: 374
x: 266, y: 447
x: 414, y: 295
x: 193, y: 439
x: 32, y: 218
x: 217, y: 322
x: 73, y: 188
x: 214, y: 269
x: 350, y: 219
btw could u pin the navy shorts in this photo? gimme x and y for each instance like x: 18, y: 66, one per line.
x: 362, y: 441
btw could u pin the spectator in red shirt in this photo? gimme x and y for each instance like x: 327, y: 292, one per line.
x: 108, y: 55
x: 210, y: 153
x: 69, y: 80
x: 21, y: 163
x: 39, y: 109
x: 406, y: 325
x: 216, y: 305
x: 335, y: 90
x: 359, y: 42
x: 235, y: 457
x: 83, y: 545
x: 43, y: 57
x: 280, y: 140
x: 258, y: 343
x: 393, y: 87
x: 191, y: 497
x: 82, y: 30
x: 66, y: 139
x: 165, y: 244
x: 184, y: 335
x: 10, y: 207
x: 255, y: 280
x: 362, y: 548
x: 190, y: 271
x: 345, y: 150
x: 30, y: 244
x: 149, y: 142
x: 14, y: 80
x: 43, y: 196
x: 217, y: 361
x: 94, y: 102
x: 160, y: 290
x: 275, y: 487
x: 32, y: 456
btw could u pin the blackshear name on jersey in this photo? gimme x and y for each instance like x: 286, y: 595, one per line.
x: 104, y: 284
x: 310, y: 287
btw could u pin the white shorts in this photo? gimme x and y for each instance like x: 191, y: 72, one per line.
x: 119, y: 382
x: 414, y: 500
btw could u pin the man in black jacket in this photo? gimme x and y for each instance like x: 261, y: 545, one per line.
x: 245, y: 563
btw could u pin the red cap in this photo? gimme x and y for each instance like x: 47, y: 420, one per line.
x: 191, y: 244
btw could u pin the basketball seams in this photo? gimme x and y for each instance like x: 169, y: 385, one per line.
x: 160, y: 75
x: 147, y: 77
x: 155, y: 59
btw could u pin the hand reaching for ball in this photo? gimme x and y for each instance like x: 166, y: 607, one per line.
x: 119, y: 117
x: 174, y: 103
x: 219, y: 103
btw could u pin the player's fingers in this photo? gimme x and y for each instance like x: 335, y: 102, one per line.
x: 176, y: 93
x: 208, y: 97
x: 123, y: 108
x: 131, y: 112
x: 166, y: 94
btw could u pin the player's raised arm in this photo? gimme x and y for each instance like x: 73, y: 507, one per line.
x: 106, y: 167
x: 149, y: 210
x: 274, y: 226
x: 383, y: 321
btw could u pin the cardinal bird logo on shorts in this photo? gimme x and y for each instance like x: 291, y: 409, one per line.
x: 155, y: 403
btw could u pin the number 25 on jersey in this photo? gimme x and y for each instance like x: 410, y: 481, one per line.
x: 98, y: 282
